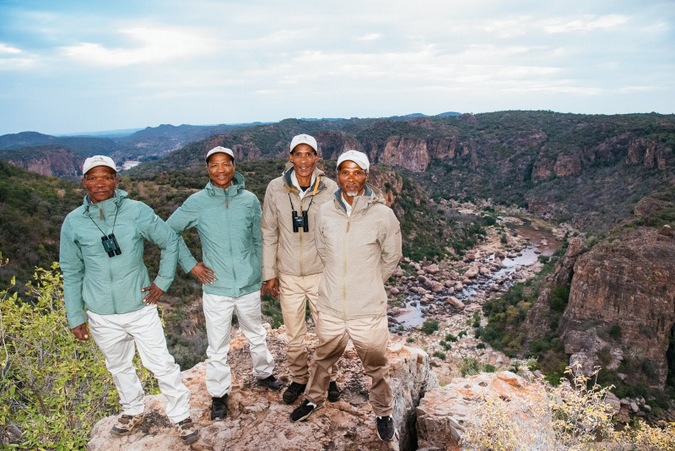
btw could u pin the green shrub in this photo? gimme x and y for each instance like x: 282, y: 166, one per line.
x: 429, y: 326
x: 53, y: 387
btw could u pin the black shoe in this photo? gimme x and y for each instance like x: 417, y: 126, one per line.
x: 219, y: 407
x: 333, y: 392
x: 271, y: 382
x: 385, y: 428
x: 303, y: 410
x: 293, y: 392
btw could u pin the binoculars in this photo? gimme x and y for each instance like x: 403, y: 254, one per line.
x: 110, y: 245
x: 300, y: 221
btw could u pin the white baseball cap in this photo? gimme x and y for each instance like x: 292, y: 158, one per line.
x: 304, y: 139
x: 98, y: 160
x: 357, y: 157
x: 220, y: 149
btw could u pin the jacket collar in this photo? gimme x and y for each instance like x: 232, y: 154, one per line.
x: 370, y: 196
x: 112, y: 202
x: 238, y: 184
x: 317, y: 176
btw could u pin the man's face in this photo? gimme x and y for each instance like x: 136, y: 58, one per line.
x: 304, y: 160
x: 352, y: 179
x: 221, y: 170
x: 100, y: 183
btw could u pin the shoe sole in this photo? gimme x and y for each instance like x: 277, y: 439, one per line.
x: 271, y: 388
x: 190, y: 440
x: 118, y: 433
x: 306, y: 416
x: 392, y: 437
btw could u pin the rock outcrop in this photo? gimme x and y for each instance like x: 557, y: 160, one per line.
x: 445, y: 412
x: 47, y: 160
x: 621, y: 307
x: 257, y: 418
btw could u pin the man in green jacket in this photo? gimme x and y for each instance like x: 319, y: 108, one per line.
x: 291, y: 266
x: 227, y: 219
x: 106, y: 284
x: 359, y: 240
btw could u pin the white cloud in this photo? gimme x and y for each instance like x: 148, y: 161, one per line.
x: 8, y: 49
x: 584, y: 23
x: 370, y: 37
x: 147, y: 45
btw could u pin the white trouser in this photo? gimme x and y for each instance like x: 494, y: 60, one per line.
x: 218, y: 312
x: 115, y: 335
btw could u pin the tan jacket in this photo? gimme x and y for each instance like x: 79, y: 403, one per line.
x: 359, y: 252
x: 286, y: 251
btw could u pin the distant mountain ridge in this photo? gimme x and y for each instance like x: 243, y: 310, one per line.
x: 144, y: 144
x: 589, y: 170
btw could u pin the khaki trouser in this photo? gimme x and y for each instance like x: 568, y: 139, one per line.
x: 369, y: 336
x: 294, y: 293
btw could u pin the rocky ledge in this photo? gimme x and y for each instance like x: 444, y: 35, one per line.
x: 257, y: 418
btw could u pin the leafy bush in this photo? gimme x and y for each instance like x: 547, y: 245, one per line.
x: 53, y: 388
x: 572, y: 415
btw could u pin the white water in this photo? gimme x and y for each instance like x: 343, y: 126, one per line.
x: 412, y: 314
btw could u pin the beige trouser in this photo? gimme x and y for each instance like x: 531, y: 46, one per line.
x: 369, y: 336
x: 294, y: 292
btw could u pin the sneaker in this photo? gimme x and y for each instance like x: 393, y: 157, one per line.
x: 219, y: 407
x: 188, y: 431
x: 385, y: 428
x: 303, y: 410
x: 293, y: 392
x: 271, y: 382
x: 333, y: 392
x: 126, y: 424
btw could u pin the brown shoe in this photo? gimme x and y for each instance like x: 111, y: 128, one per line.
x: 126, y: 424
x: 189, y: 433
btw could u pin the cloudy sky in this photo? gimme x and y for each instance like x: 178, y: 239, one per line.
x: 73, y: 66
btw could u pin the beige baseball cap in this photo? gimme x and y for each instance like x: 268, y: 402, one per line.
x: 98, y: 160
x: 220, y: 149
x: 357, y: 157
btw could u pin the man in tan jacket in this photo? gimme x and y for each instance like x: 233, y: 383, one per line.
x: 291, y: 266
x: 359, y: 240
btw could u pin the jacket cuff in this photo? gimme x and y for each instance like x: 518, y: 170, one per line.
x: 163, y: 283
x: 77, y: 318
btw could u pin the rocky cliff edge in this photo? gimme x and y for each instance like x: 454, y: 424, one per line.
x: 257, y: 418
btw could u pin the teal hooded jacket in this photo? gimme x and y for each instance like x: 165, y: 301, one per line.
x: 228, y: 224
x: 110, y: 285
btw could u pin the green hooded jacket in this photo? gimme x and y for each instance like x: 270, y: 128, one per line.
x: 228, y: 223
x: 111, y: 285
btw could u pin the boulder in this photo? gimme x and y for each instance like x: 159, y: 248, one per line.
x: 445, y: 412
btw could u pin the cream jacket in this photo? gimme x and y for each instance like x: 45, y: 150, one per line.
x: 359, y: 252
x: 286, y: 251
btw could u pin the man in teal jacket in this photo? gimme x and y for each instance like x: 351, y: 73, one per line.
x: 106, y: 285
x: 227, y: 218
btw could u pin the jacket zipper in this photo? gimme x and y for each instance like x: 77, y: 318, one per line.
x: 344, y: 269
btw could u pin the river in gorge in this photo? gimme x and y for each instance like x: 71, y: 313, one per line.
x: 537, y: 242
